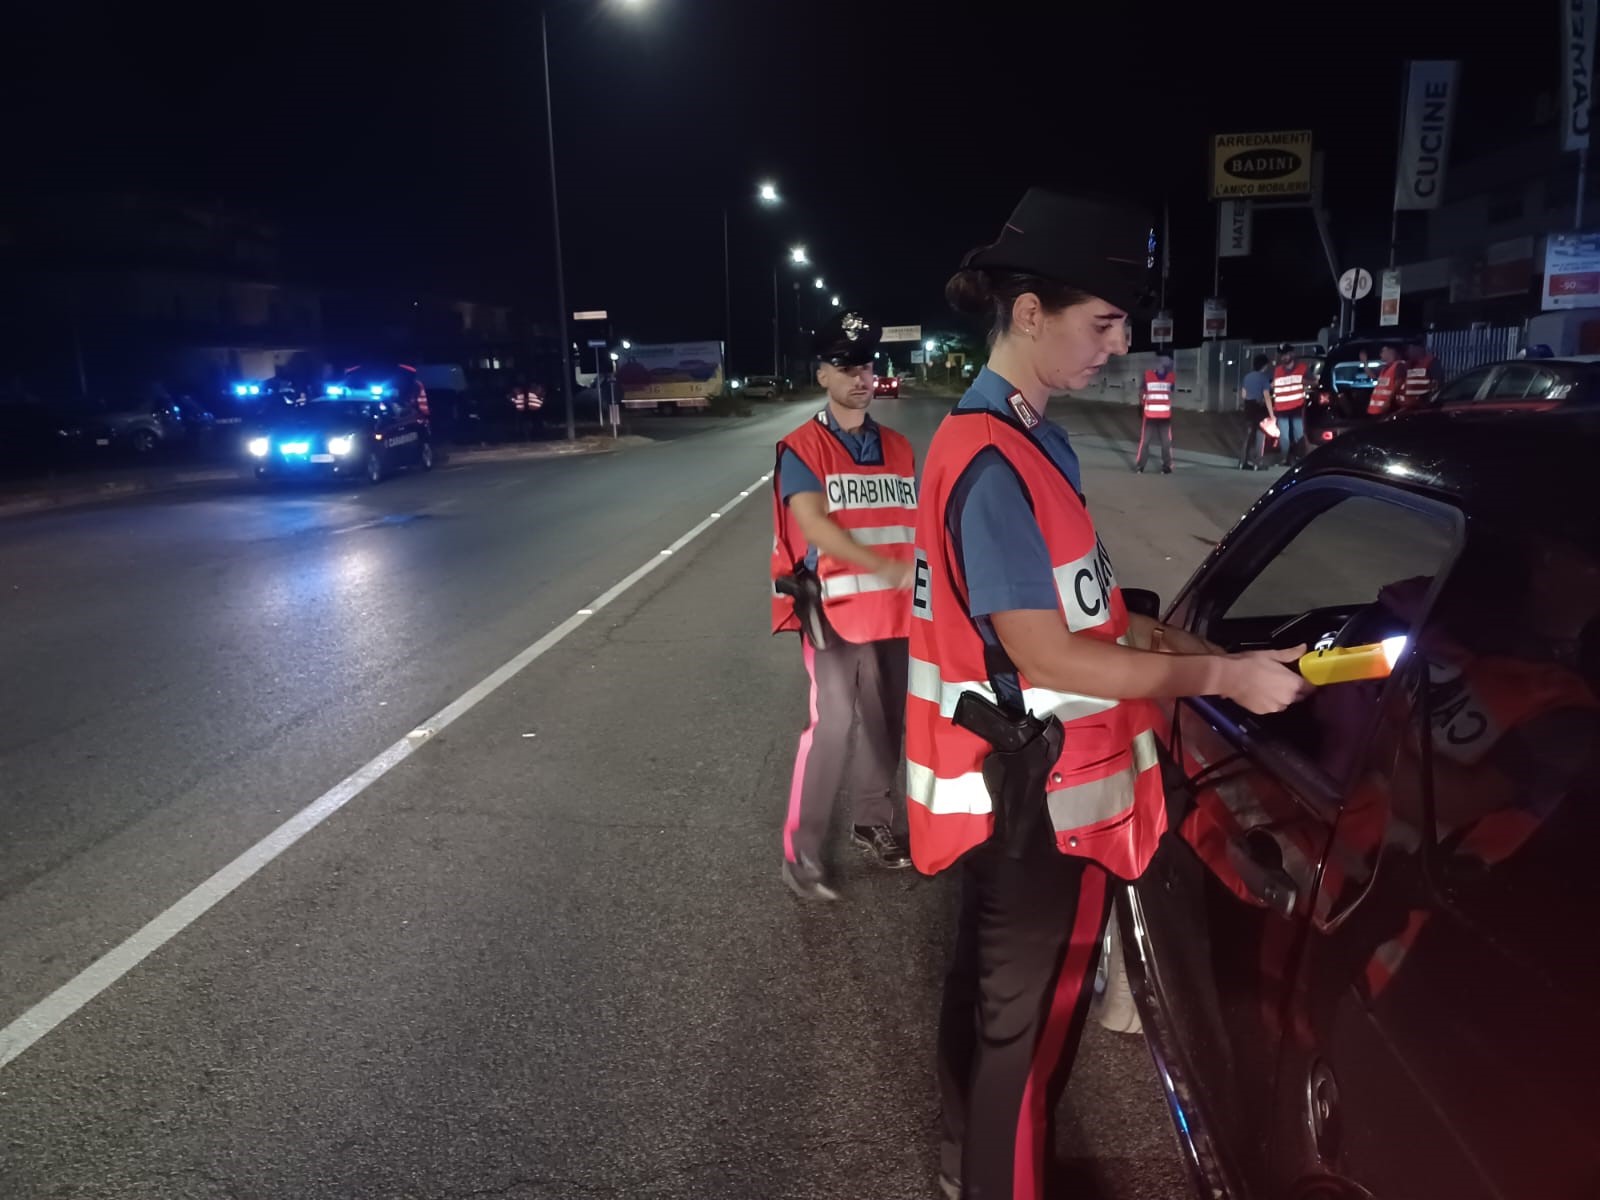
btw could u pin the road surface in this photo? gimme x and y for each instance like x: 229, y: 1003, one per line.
x: 538, y: 947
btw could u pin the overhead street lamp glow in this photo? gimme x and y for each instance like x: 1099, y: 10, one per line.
x: 834, y: 302
x: 797, y: 255
x: 929, y: 345
x: 626, y: 344
x: 613, y: 356
x: 768, y: 192
x: 820, y: 285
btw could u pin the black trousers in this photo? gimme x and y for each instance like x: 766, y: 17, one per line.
x: 1255, y: 438
x: 1015, y: 1001
x: 1155, y: 429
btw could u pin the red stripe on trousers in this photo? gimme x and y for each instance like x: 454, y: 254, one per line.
x: 797, y: 784
x: 1074, y: 978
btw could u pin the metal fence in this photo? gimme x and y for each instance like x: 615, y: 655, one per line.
x: 1460, y: 350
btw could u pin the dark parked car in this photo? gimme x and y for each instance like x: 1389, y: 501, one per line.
x: 342, y: 439
x: 1367, y: 958
x: 1344, y: 385
x: 150, y: 424
x: 1531, y: 385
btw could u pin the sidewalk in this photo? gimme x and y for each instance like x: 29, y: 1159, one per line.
x: 69, y: 489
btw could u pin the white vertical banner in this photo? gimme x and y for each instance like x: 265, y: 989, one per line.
x: 1425, y: 137
x: 1389, y: 299
x: 1233, y: 228
x: 1577, y: 71
x: 1214, y: 318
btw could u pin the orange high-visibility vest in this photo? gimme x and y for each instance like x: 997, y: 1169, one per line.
x: 1289, y: 387
x: 1157, y: 395
x: 1383, y: 392
x: 876, y: 505
x: 1104, y: 794
x: 1419, y: 383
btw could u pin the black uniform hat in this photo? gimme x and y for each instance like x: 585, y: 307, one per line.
x: 848, y: 340
x: 1103, y: 248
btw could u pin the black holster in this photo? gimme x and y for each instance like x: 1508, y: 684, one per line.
x: 805, y: 587
x: 1017, y: 769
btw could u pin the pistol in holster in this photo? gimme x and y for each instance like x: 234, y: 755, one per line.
x: 1017, y: 768
x: 804, y: 586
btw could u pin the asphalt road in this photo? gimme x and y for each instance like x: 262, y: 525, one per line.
x: 547, y: 954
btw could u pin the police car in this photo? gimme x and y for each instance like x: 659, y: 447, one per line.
x: 1365, y: 957
x: 340, y: 437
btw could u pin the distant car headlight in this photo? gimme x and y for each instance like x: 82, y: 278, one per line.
x: 259, y: 447
x: 341, y: 445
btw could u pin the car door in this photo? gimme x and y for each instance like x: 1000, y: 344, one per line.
x: 1447, y: 996
x: 1225, y: 906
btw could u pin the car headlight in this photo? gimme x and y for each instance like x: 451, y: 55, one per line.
x: 341, y: 445
x: 259, y: 447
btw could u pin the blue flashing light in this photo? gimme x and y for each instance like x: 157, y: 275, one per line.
x: 255, y: 389
x: 295, y: 447
x: 240, y: 389
x: 376, y: 389
x: 334, y: 389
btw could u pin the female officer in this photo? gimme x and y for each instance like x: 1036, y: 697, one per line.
x: 1014, y: 599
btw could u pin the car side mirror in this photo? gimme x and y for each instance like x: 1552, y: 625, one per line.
x: 1142, y: 602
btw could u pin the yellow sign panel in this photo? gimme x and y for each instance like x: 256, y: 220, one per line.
x: 1260, y: 164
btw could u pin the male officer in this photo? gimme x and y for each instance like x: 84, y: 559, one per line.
x: 844, y: 515
x: 1291, y: 379
x: 1155, y: 396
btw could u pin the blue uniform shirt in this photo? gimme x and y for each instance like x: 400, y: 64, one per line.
x: 990, y: 523
x: 864, y: 445
x: 1256, y: 385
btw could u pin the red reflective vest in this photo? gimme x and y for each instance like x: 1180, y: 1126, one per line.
x: 1157, y: 395
x: 1419, y: 381
x: 1289, y: 387
x: 876, y: 505
x: 1381, y: 399
x: 1104, y: 793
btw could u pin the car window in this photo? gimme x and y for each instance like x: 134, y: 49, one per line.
x: 1342, y: 557
x: 1513, y: 382
x: 1544, y: 386
x: 1463, y: 388
x: 1333, y: 577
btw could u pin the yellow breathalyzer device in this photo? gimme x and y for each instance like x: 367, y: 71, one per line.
x: 1351, y: 664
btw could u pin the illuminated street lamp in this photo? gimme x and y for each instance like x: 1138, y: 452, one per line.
x: 797, y: 255
x: 819, y: 284
x: 768, y: 192
x: 626, y: 344
x: 834, y: 302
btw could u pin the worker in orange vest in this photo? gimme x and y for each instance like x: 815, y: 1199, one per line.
x: 1390, y: 383
x: 1423, y: 375
x: 844, y: 509
x: 1291, y: 380
x: 1156, y: 398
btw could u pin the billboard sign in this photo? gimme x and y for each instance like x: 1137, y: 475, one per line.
x: 1577, y: 71
x: 1215, y: 318
x: 1389, y: 298
x: 1261, y: 164
x: 684, y: 373
x: 901, y: 333
x: 1571, y: 271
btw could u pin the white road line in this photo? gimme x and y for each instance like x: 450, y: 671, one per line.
x: 66, y: 1000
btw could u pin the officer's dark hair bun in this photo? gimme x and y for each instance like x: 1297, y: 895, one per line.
x: 989, y: 295
x: 969, y: 292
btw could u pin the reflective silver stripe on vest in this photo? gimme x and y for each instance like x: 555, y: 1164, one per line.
x: 854, y: 585
x: 1082, y: 804
x: 883, y: 535
x: 963, y: 794
x: 926, y: 684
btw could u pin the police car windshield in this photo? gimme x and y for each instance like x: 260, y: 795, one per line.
x: 323, y: 412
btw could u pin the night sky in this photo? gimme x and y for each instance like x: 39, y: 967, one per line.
x: 409, y: 151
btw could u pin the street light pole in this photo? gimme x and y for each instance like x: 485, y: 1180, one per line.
x: 555, y: 221
x: 727, y: 302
